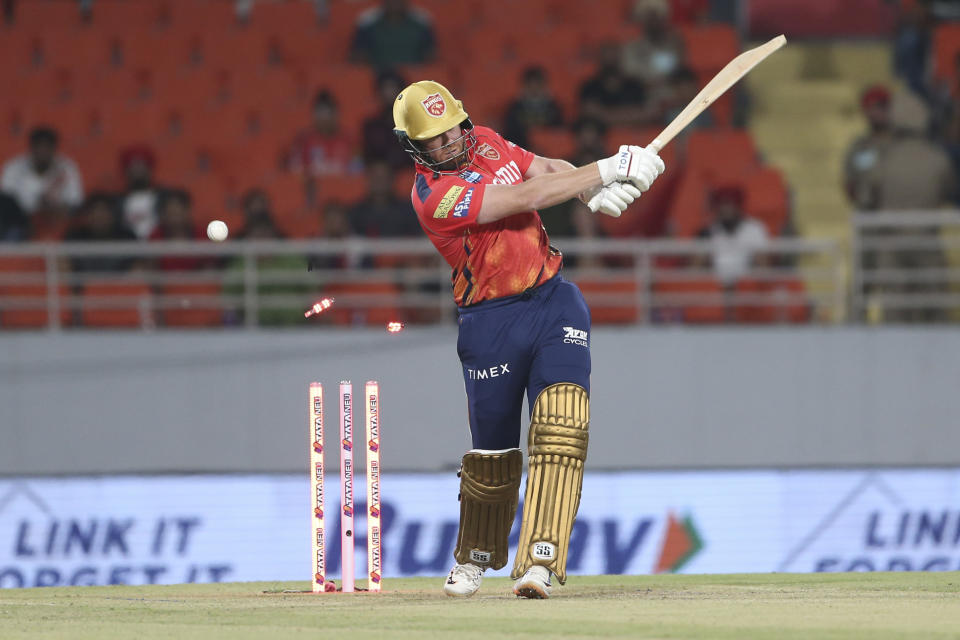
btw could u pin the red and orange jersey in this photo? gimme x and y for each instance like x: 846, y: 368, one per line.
x: 494, y: 260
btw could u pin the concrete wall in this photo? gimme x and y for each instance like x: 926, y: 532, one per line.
x: 662, y: 398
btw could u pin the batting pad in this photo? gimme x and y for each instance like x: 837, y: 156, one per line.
x: 557, y: 450
x: 489, y: 492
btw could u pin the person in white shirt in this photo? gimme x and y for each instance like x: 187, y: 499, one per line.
x: 735, y: 238
x: 138, y: 204
x: 43, y: 181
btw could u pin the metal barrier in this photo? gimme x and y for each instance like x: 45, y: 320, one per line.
x: 902, y: 266
x: 238, y: 283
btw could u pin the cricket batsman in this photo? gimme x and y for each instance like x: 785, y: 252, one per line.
x: 523, y: 328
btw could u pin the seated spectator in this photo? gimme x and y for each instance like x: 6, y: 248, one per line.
x: 138, y: 202
x: 324, y: 149
x: 14, y: 225
x: 393, y: 34
x: 274, y: 312
x: 614, y: 97
x: 735, y: 238
x: 591, y: 141
x: 256, y: 207
x: 379, y: 141
x: 176, y: 223
x: 658, y: 52
x: 336, y: 226
x: 381, y: 214
x: 534, y: 107
x: 45, y: 183
x: 99, y: 221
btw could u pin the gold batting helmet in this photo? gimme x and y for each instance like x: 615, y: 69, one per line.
x: 426, y: 109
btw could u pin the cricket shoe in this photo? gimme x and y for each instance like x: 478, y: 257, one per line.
x: 464, y: 580
x: 534, y: 584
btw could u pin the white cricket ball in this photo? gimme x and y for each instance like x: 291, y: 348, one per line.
x: 217, y: 230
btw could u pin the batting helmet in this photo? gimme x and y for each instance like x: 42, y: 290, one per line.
x: 426, y: 109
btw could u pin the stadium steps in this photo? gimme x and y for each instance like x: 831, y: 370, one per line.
x: 805, y: 115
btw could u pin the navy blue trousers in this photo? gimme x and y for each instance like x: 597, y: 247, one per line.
x: 516, y: 345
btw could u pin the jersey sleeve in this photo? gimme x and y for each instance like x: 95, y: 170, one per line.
x: 518, y: 154
x: 450, y: 207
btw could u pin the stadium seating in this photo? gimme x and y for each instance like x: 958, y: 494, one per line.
x: 116, y: 303
x: 196, y: 305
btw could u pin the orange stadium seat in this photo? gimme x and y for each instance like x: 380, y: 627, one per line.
x: 709, y: 47
x: 346, y: 313
x: 759, y: 313
x: 688, y: 210
x: 602, y: 311
x: 552, y: 142
x: 129, y: 303
x: 195, y: 305
x: 346, y: 189
x: 946, y: 46
x: 34, y: 315
x: 47, y: 15
x: 122, y: 15
x: 767, y: 198
x: 75, y: 49
x: 734, y: 146
x: 688, y: 311
x: 201, y: 15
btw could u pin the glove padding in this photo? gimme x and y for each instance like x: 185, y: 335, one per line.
x: 633, y: 164
x: 612, y: 199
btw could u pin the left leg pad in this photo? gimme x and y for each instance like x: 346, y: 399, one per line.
x: 489, y: 493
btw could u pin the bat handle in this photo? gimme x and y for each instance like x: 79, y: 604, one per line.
x: 656, y: 145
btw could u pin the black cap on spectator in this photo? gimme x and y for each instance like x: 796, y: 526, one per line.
x: 534, y: 72
x: 176, y: 195
x: 44, y: 134
x: 325, y: 97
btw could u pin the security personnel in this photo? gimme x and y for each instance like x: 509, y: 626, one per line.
x: 523, y: 328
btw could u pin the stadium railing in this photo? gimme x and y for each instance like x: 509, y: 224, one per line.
x: 903, y: 267
x: 267, y: 283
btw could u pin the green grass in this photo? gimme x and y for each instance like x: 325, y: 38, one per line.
x: 861, y: 605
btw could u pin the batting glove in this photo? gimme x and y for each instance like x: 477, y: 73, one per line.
x: 631, y: 163
x: 612, y: 199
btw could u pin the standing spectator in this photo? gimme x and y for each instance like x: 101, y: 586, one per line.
x: 591, y: 141
x: 895, y: 167
x: 613, y: 96
x: 735, y: 238
x: 99, y: 221
x: 534, y: 107
x: 325, y: 149
x: 138, y: 203
x: 45, y: 183
x: 14, y: 225
x: 381, y: 213
x: 379, y: 141
x: 393, y: 34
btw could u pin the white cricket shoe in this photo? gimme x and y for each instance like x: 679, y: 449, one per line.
x: 534, y: 584
x: 464, y: 580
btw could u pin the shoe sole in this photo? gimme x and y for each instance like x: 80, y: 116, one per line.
x: 531, y: 591
x: 460, y: 595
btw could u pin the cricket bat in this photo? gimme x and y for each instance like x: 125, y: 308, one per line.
x: 725, y: 78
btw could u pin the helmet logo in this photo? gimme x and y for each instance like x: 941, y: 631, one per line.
x: 434, y: 105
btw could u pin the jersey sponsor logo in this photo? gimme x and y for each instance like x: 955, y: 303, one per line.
x: 470, y: 176
x: 488, y: 152
x: 508, y: 174
x: 447, y: 201
x: 434, y: 105
x: 572, y: 335
x: 463, y: 207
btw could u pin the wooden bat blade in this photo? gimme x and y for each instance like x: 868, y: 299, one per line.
x: 725, y: 78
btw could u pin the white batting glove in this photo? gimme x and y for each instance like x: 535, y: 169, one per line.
x: 631, y: 163
x: 612, y: 199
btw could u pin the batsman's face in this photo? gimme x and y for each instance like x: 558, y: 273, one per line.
x: 447, y: 148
